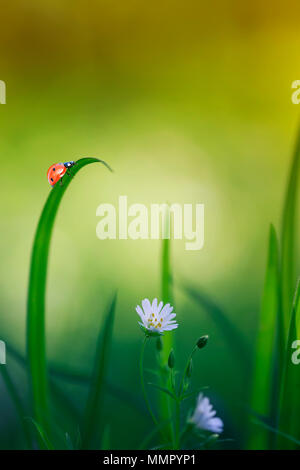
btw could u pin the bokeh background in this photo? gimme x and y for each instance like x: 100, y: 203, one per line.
x: 189, y: 102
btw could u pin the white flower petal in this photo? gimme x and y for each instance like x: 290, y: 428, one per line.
x: 166, y: 310
x: 215, y: 425
x: 154, y: 306
x: 140, y: 312
x: 147, y: 306
x: 157, y: 317
x: 170, y: 327
x: 170, y: 316
x: 204, y: 416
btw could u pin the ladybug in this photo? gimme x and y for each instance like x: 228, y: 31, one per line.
x: 57, y: 171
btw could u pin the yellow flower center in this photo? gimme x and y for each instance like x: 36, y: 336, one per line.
x: 154, y: 321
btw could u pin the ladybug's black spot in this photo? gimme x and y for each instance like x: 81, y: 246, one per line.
x: 51, y: 179
x: 53, y: 169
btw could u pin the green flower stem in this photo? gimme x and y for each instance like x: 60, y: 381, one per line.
x: 143, y: 383
x: 177, y: 423
x: 172, y: 381
x: 188, y: 428
x: 185, y: 370
x: 173, y: 426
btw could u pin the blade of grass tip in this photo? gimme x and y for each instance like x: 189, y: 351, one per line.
x: 231, y: 334
x: 265, y: 389
x: 288, y: 236
x: 18, y: 404
x: 92, y: 424
x: 42, y: 435
x: 36, y: 347
x: 69, y: 443
x: 289, y: 422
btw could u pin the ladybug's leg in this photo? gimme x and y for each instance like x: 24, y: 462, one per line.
x: 69, y: 173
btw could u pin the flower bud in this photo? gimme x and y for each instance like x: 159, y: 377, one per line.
x: 171, y: 360
x: 201, y: 343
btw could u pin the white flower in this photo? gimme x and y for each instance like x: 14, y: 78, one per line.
x: 156, y: 318
x: 204, y: 416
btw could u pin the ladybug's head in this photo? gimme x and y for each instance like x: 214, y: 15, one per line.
x: 69, y: 164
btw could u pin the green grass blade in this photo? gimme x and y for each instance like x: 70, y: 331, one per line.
x: 166, y: 286
x: 81, y: 378
x: 17, y: 403
x: 265, y: 392
x: 231, y: 334
x: 275, y: 431
x: 288, y: 237
x: 106, y: 439
x: 62, y: 403
x: 289, y: 422
x: 92, y: 418
x: 36, y: 347
x: 69, y: 442
x: 42, y: 435
x: 167, y: 297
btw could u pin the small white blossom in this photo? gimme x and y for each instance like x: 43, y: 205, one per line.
x: 156, y: 318
x: 204, y: 416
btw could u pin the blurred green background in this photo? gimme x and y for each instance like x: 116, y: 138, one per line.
x: 189, y: 103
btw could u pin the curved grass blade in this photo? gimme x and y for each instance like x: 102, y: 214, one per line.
x: 290, y: 403
x: 288, y: 236
x: 18, y: 405
x: 36, y: 348
x: 265, y: 392
x: 92, y: 419
x: 229, y: 330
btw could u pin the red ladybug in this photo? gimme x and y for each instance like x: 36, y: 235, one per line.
x: 57, y: 171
